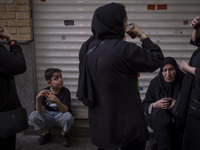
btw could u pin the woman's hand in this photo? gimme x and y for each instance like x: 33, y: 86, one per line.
x: 173, y: 101
x: 162, y: 104
x: 135, y: 29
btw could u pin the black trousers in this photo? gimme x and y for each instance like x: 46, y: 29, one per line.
x: 138, y: 144
x: 8, y: 143
x: 164, y: 131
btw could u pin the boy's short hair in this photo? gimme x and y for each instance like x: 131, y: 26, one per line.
x: 49, y: 73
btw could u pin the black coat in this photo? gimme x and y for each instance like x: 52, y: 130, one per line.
x: 11, y: 63
x: 117, y: 117
x: 190, y: 88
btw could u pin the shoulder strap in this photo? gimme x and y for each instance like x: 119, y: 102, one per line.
x: 12, y: 82
x: 90, y: 50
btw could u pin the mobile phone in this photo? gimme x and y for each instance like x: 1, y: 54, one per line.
x: 169, y: 102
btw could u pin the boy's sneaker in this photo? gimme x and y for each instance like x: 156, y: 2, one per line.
x: 44, y: 138
x: 66, y: 140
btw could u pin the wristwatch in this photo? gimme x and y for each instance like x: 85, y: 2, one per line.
x: 13, y: 43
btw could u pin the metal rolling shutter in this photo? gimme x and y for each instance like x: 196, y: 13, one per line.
x: 56, y: 45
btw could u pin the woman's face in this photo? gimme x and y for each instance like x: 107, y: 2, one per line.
x: 125, y: 24
x: 169, y: 73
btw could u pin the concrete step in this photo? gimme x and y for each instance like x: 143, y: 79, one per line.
x: 80, y: 128
x: 30, y: 142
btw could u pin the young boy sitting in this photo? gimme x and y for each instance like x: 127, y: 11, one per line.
x: 53, y: 108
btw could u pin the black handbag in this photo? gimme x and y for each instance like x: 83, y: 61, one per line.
x: 13, y: 122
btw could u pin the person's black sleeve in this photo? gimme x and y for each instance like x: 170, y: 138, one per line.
x: 147, y: 58
x: 12, y: 62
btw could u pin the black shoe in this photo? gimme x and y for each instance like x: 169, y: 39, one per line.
x: 44, y: 138
x: 66, y: 140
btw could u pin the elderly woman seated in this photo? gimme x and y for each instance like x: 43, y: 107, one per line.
x: 159, y: 102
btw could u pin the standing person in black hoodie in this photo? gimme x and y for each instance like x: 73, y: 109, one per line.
x: 108, y: 79
x: 11, y: 63
x: 188, y: 113
x: 159, y: 101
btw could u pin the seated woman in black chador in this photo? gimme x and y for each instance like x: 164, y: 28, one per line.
x: 159, y: 102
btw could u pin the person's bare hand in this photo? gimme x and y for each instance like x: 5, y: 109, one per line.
x: 194, y: 21
x: 52, y: 98
x: 162, y: 103
x: 41, y: 94
x: 173, y: 101
x: 184, y: 66
x: 135, y: 29
x: 5, y: 34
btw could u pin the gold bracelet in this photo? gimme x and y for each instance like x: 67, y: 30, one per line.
x: 141, y: 35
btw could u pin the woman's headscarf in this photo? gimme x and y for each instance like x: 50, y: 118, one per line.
x: 171, y: 89
x: 107, y: 23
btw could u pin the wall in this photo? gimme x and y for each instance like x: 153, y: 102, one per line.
x: 15, y: 15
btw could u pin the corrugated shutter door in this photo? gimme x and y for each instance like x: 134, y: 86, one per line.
x: 56, y: 45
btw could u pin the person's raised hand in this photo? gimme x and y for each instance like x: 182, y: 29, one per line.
x: 4, y: 34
